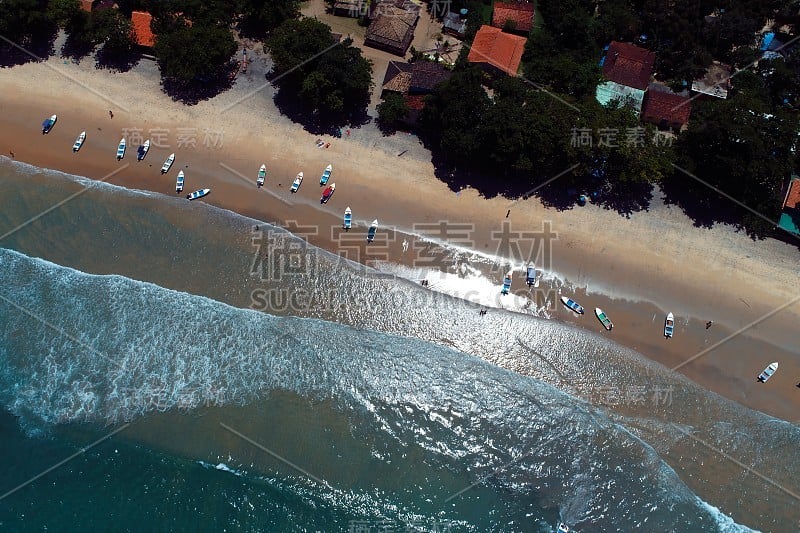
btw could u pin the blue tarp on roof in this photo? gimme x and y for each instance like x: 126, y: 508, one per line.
x: 767, y: 40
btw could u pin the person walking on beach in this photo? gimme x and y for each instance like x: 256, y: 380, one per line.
x: 12, y: 154
x: 110, y: 113
x: 708, y: 324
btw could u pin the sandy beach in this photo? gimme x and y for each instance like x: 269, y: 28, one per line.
x: 636, y: 269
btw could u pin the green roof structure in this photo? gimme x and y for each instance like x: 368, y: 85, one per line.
x: 609, y: 91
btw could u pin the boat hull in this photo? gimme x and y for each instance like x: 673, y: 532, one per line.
x: 167, y: 164
x: 768, y: 372
x: 603, y: 318
x: 669, y: 326
x: 198, y: 194
x: 572, y: 305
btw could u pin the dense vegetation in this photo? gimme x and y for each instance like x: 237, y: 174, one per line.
x: 509, y: 136
x: 323, y: 82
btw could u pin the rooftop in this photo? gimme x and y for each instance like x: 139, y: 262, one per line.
x: 520, y: 13
x: 393, y: 26
x: 790, y: 218
x: 660, y: 105
x: 141, y: 28
x: 86, y: 5
x: 609, y: 91
x: 628, y: 64
x: 501, y: 50
x: 398, y: 77
x: 715, y: 82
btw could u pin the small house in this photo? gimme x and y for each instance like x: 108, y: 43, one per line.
x: 141, y: 28
x: 497, y: 52
x: 665, y: 109
x: 513, y: 16
x: 790, y: 216
x: 392, y: 26
x: 715, y: 83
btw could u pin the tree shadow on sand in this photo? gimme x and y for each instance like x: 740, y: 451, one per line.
x: 191, y: 93
x: 116, y: 61
x: 36, y: 49
x: 318, y: 123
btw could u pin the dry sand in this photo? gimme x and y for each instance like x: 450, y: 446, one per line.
x: 636, y: 269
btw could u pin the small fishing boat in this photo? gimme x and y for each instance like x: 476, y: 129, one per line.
x: 572, y: 304
x: 198, y: 194
x: 327, y: 193
x: 326, y: 175
x: 297, y: 181
x: 603, y: 318
x: 563, y: 528
x: 767, y: 373
x: 530, y: 277
x: 179, y: 182
x: 669, y: 326
x: 48, y: 124
x: 141, y: 153
x: 348, y: 219
x: 79, y: 141
x: 262, y: 175
x: 373, y: 228
x: 167, y: 164
x: 506, y: 283
x: 121, y: 149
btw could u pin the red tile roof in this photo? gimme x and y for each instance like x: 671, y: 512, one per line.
x: 415, y: 101
x: 629, y: 65
x: 141, y: 28
x: 793, y: 195
x: 86, y: 5
x: 521, y: 13
x: 501, y: 50
x: 666, y: 106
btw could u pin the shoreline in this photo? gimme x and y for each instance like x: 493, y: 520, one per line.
x: 641, y: 267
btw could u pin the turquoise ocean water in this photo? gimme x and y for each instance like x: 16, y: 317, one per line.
x: 254, y: 383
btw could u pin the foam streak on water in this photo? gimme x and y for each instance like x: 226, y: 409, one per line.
x: 465, y: 413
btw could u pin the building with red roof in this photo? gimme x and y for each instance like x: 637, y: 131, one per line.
x: 497, y: 51
x: 86, y: 5
x: 141, y: 28
x: 629, y: 65
x: 665, y: 109
x: 790, y: 217
x: 514, y: 16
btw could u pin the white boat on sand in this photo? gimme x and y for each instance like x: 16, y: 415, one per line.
x: 262, y: 175
x: 603, y: 318
x: 198, y: 194
x: 142, y: 151
x: 572, y: 304
x: 167, y: 164
x: 298, y: 180
x: 373, y: 228
x: 79, y: 141
x: 767, y: 373
x: 121, y: 149
x: 348, y: 219
x: 669, y: 326
x: 179, y: 182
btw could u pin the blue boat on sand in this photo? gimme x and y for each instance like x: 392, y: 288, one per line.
x: 326, y: 175
x: 48, y: 124
x: 572, y: 304
x: 530, y: 277
x: 506, y: 283
x: 348, y: 219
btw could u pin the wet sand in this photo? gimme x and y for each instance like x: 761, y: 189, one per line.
x: 635, y: 269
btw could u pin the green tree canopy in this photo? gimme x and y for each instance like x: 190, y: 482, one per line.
x: 330, y: 79
x: 392, y: 111
x: 260, y: 17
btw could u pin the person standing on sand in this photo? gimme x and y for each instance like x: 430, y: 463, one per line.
x: 12, y: 154
x: 110, y: 113
x: 708, y: 324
